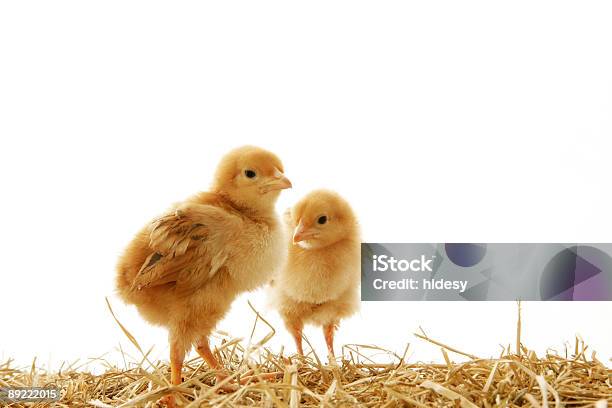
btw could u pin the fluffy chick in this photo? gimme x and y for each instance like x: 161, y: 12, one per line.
x: 183, y: 269
x: 319, y: 282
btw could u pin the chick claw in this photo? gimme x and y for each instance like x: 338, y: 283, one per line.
x: 225, y: 382
x: 168, y: 401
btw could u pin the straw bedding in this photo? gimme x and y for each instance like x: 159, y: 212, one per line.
x: 518, y: 377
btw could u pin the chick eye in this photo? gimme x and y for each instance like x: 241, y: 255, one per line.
x: 250, y: 173
x: 322, y: 219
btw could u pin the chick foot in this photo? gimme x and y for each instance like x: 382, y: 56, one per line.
x: 225, y: 383
x: 167, y: 401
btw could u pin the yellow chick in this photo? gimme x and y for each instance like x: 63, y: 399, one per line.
x: 319, y: 282
x: 184, y: 269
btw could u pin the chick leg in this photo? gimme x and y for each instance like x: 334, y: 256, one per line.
x: 177, y: 356
x: 203, y: 349
x: 328, y: 332
x: 295, y: 328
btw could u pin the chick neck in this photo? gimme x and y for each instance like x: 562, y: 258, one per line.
x: 339, y: 244
x: 255, y: 213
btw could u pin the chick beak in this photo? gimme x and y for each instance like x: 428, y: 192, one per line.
x: 283, y: 183
x: 301, y: 233
x: 277, y: 182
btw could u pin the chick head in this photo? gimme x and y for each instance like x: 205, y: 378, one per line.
x: 251, y: 178
x: 322, y: 218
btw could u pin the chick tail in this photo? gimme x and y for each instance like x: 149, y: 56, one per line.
x: 123, y: 285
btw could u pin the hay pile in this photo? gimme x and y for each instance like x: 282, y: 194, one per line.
x: 516, y: 378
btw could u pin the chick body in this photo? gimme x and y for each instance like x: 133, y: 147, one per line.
x: 191, y: 309
x: 319, y: 288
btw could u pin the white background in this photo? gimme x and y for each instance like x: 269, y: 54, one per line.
x: 439, y: 121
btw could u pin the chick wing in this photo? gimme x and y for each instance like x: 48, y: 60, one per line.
x: 188, y: 246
